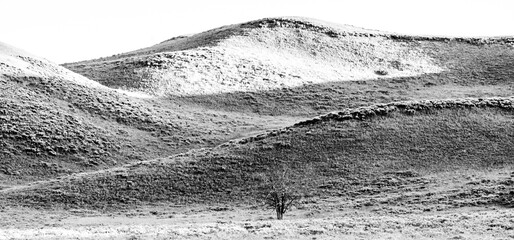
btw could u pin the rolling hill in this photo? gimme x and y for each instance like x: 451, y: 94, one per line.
x: 258, y: 56
x: 54, y: 122
x: 305, y: 67
x: 408, y: 127
x: 200, y: 91
x: 379, y: 148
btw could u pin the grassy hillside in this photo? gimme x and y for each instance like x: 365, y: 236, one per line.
x: 414, y: 136
x: 237, y: 81
x: 54, y: 122
x: 366, y: 151
x: 304, y: 67
x: 262, y: 55
x: 470, y: 71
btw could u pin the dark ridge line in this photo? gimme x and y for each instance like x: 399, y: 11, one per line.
x: 174, y: 38
x: 405, y: 107
x: 335, y: 33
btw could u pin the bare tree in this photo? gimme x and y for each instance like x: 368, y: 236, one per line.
x: 282, y: 188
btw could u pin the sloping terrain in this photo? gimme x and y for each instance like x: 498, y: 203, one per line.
x: 354, y: 153
x: 40, y: 134
x: 483, y: 70
x: 18, y: 63
x: 304, y: 67
x: 258, y: 56
x: 54, y: 122
x: 156, y: 134
x: 233, y: 82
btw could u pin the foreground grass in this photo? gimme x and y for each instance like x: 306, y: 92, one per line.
x: 472, y: 225
x: 386, y: 208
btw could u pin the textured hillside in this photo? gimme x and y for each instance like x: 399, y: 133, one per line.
x: 18, y: 63
x: 261, y: 55
x: 414, y: 137
x: 472, y: 70
x: 305, y: 67
x: 384, y: 147
x: 205, y: 89
x: 40, y: 135
x: 54, y: 121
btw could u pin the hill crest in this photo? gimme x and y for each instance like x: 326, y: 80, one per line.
x: 260, y: 55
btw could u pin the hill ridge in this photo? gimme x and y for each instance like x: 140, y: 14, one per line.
x: 315, y: 25
x: 405, y: 107
x: 409, y: 108
x: 260, y: 55
x: 349, y: 155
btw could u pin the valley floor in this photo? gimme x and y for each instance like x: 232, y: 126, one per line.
x: 469, y: 223
x: 440, y: 206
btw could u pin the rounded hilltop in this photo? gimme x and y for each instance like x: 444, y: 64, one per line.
x: 260, y: 55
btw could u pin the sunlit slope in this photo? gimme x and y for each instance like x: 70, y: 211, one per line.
x: 260, y: 55
x: 472, y: 70
x: 304, y: 67
x: 15, y: 62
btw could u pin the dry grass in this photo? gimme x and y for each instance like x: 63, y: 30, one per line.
x: 345, y: 154
x: 472, y: 71
x: 303, y: 68
x: 55, y: 122
x: 473, y: 225
x: 248, y: 58
x: 376, y: 213
x: 397, y: 170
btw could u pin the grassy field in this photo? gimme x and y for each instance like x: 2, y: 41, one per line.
x: 304, y: 68
x: 256, y: 57
x: 144, y: 127
x: 326, y: 221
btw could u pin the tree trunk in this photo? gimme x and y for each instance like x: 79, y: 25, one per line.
x: 280, y: 215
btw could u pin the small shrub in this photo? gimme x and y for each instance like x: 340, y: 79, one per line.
x: 381, y: 72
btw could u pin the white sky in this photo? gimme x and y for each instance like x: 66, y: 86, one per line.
x: 73, y: 30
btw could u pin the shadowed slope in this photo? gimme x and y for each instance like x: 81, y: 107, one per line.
x: 54, y: 121
x: 346, y: 151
